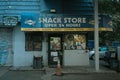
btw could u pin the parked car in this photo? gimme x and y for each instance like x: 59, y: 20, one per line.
x: 102, y: 51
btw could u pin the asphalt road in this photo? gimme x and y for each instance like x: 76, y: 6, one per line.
x: 22, y: 75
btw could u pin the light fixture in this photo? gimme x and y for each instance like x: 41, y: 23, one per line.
x: 53, y: 10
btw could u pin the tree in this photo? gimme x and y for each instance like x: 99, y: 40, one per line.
x: 111, y: 7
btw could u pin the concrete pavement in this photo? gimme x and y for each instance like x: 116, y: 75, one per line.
x: 92, y: 76
x: 69, y: 73
x: 81, y: 74
x: 22, y: 75
x: 3, y: 70
x: 50, y: 72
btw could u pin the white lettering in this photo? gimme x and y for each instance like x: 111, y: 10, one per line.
x: 74, y: 20
x: 84, y: 20
x: 79, y: 20
x: 73, y: 25
x: 60, y: 25
x: 50, y: 20
x: 50, y: 25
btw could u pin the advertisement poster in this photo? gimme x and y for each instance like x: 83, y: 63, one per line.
x: 55, y: 43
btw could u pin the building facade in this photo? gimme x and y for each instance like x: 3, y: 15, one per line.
x: 51, y: 29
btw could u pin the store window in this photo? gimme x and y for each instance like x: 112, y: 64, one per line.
x: 55, y: 43
x: 74, y: 41
x: 33, y: 41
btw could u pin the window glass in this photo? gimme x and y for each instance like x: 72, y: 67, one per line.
x: 74, y: 41
x: 33, y: 41
x: 55, y: 43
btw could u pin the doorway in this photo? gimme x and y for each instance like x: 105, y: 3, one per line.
x: 55, y: 50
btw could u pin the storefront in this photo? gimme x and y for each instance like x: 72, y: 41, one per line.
x: 68, y: 47
x: 52, y: 29
x: 60, y: 36
x: 7, y: 39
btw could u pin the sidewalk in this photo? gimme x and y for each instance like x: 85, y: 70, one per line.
x: 3, y: 70
x: 69, y: 73
x: 75, y: 70
x: 66, y: 70
x: 49, y: 72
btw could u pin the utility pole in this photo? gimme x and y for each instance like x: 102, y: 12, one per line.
x: 96, y: 35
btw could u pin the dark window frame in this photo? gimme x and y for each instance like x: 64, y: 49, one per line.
x: 33, y: 41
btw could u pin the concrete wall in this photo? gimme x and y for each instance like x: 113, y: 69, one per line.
x: 76, y: 58
x: 22, y: 57
x: 25, y: 58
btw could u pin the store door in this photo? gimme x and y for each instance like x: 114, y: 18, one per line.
x: 55, y: 50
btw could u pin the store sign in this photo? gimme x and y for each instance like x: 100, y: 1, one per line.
x: 59, y: 22
x: 10, y: 20
x: 63, y: 22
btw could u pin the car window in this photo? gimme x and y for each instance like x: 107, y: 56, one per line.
x: 103, y: 49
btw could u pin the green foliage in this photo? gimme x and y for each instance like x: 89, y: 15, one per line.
x: 111, y: 7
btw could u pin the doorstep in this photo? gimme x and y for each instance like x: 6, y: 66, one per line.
x: 64, y: 70
x: 26, y: 68
x: 78, y: 70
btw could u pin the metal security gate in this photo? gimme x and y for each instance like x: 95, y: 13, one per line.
x: 6, y: 46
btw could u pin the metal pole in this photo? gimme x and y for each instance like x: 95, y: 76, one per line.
x: 96, y: 35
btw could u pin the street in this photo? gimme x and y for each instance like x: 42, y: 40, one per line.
x: 22, y: 75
